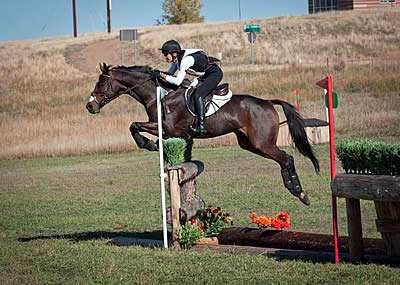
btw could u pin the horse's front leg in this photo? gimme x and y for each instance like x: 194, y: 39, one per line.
x: 142, y: 141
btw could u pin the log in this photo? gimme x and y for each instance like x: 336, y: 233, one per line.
x: 245, y: 236
x: 188, y: 170
x: 367, y: 187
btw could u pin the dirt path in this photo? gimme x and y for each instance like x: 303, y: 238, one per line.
x: 109, y: 51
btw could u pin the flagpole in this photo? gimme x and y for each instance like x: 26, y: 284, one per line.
x: 326, y: 84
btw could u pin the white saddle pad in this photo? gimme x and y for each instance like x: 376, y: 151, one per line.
x: 217, y: 102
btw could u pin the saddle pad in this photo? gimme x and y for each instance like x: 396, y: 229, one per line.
x: 217, y: 102
x: 212, y: 106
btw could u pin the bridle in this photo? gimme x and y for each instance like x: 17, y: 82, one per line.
x: 108, y: 99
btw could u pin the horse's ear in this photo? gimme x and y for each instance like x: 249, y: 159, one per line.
x: 105, y: 69
x: 102, y: 67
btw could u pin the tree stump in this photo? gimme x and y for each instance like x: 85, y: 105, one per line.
x: 185, y: 203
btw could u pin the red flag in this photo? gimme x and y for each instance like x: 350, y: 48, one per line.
x: 296, y: 92
x: 323, y: 83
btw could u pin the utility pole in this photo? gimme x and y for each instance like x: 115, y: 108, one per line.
x: 240, y: 13
x: 109, y: 15
x: 74, y: 17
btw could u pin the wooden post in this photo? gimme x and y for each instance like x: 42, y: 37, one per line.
x: 388, y: 224
x: 354, y: 229
x: 180, y: 179
x: 175, y: 194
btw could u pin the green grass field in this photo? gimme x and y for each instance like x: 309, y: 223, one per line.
x: 59, y: 213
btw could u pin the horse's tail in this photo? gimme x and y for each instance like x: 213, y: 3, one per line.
x: 297, y: 132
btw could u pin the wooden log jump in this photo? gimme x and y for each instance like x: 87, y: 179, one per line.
x: 384, y: 190
x: 269, y: 238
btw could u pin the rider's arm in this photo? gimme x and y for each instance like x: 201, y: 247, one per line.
x: 186, y: 63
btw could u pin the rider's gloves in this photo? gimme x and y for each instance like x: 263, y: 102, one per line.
x: 156, y: 74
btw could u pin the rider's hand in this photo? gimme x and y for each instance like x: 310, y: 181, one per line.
x: 156, y: 74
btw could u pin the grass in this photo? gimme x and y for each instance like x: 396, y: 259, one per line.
x: 59, y: 213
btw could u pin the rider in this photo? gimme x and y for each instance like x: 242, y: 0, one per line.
x: 193, y: 62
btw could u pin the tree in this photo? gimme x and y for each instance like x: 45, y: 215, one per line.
x: 181, y: 11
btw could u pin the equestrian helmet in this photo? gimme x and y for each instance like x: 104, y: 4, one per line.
x: 170, y: 47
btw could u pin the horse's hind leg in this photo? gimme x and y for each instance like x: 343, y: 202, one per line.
x: 292, y: 181
x: 286, y: 162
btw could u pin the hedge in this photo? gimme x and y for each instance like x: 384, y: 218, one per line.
x: 369, y: 157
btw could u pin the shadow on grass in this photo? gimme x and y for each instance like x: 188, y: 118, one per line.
x: 328, y: 257
x: 98, y: 235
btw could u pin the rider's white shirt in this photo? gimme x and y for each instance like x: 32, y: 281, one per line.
x: 186, y: 62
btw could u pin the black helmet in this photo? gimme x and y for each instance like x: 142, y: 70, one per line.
x: 170, y: 47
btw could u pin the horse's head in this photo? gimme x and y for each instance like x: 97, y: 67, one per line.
x: 105, y: 90
x: 119, y: 80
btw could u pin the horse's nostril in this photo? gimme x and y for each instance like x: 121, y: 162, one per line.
x: 89, y: 107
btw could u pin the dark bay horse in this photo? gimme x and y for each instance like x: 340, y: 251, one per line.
x: 254, y: 121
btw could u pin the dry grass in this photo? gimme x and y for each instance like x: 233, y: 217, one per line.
x: 43, y: 97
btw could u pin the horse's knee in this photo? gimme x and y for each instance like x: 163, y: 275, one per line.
x: 133, y: 128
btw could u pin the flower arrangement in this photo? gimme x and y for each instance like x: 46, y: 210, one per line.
x: 214, y: 221
x: 279, y: 222
x: 190, y: 233
x: 206, y: 224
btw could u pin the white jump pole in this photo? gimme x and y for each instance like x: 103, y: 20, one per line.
x: 162, y: 174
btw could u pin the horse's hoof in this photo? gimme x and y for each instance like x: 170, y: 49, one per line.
x: 151, y: 146
x: 304, y: 198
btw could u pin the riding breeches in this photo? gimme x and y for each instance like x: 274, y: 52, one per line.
x: 211, y: 78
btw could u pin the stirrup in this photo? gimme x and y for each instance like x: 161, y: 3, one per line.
x: 198, y: 131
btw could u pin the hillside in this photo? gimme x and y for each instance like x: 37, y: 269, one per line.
x: 46, y: 83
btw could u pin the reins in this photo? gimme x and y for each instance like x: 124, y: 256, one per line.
x: 128, y: 90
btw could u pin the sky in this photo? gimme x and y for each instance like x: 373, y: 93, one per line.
x: 32, y: 19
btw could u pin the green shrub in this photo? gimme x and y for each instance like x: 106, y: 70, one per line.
x: 177, y: 151
x: 369, y: 157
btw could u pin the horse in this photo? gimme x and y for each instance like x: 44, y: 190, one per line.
x: 254, y: 121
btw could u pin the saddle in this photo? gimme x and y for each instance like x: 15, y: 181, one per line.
x: 213, y: 101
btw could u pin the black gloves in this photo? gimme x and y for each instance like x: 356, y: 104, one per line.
x: 157, y: 74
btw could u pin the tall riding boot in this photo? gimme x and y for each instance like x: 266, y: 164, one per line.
x: 200, y: 129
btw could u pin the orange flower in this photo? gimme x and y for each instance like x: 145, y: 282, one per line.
x: 280, y: 221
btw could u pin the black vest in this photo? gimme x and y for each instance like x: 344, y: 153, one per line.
x: 200, y: 61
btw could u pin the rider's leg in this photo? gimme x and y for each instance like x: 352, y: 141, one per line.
x: 199, y: 107
x: 211, y: 78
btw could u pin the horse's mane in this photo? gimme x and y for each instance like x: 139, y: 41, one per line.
x: 129, y: 70
x: 132, y: 69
